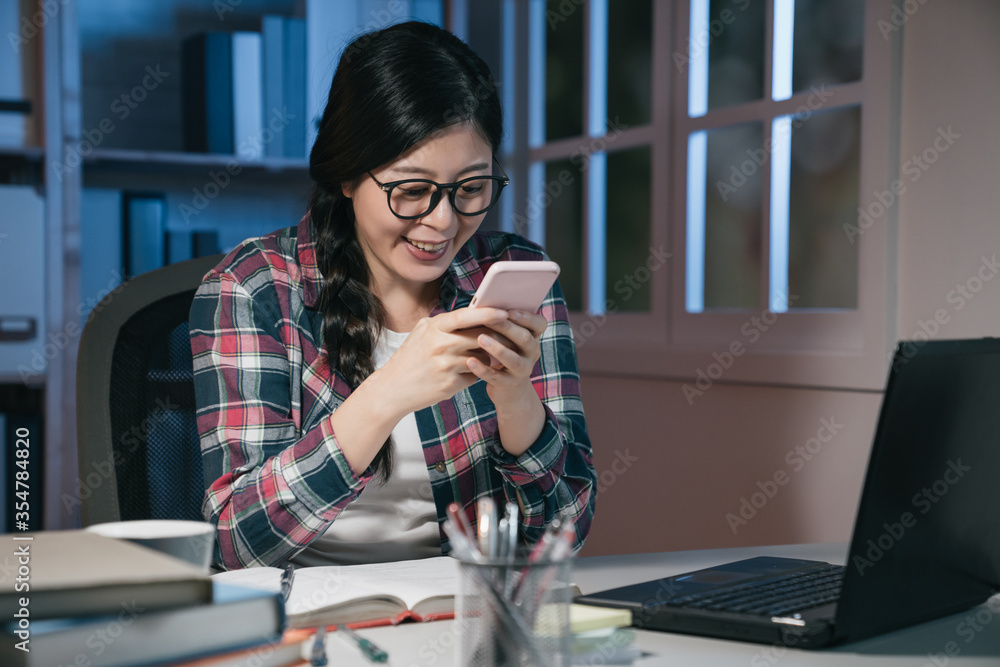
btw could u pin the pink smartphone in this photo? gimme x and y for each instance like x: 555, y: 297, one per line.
x: 516, y: 285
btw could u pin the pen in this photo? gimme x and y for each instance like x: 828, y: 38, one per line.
x: 367, y: 648
x: 511, y: 537
x: 286, y: 581
x: 456, y: 514
x: 502, y: 531
x: 317, y: 657
x: 487, y: 528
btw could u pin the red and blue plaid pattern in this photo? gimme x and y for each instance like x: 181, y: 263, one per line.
x: 276, y: 475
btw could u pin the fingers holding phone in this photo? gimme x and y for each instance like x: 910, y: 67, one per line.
x: 513, y: 344
x: 432, y: 363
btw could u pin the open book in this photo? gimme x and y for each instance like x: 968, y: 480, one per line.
x: 361, y: 595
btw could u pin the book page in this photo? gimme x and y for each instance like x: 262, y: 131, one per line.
x: 411, y: 581
x: 316, y: 588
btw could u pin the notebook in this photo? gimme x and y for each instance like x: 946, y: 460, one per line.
x: 926, y: 540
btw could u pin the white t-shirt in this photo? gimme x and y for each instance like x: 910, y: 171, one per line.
x: 394, y: 521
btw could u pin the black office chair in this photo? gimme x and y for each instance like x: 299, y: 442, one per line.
x: 136, y: 434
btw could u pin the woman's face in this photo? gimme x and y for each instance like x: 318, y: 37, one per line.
x: 412, y: 253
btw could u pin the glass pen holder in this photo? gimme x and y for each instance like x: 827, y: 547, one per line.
x: 514, y: 613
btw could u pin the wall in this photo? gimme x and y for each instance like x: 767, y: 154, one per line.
x: 690, y: 466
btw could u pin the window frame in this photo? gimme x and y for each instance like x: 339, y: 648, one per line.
x: 814, y: 347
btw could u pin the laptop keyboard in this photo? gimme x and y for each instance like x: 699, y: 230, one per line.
x: 773, y: 596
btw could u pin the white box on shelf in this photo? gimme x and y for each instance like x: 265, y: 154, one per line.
x: 25, y: 349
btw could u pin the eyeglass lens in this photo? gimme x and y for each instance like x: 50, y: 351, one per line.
x: 416, y: 198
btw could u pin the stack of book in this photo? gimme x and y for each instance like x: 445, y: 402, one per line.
x: 244, y: 93
x: 74, y: 598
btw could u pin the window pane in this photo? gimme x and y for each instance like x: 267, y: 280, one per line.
x: 630, y: 48
x: 825, y: 171
x: 629, y: 257
x: 563, y: 71
x: 735, y: 35
x: 732, y: 216
x: 563, y: 200
x: 828, y: 42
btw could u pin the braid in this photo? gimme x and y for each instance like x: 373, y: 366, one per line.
x: 352, y: 314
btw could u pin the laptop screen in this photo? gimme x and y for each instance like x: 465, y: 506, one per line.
x: 927, y: 536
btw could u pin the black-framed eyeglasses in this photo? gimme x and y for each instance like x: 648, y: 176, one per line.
x: 416, y: 197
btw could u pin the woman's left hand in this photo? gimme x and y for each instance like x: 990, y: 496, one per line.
x: 514, y: 343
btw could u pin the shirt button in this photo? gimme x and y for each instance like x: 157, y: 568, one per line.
x: 439, y: 466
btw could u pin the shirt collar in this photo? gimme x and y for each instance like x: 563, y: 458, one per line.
x: 458, y: 285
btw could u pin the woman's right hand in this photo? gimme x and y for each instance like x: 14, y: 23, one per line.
x: 431, y: 364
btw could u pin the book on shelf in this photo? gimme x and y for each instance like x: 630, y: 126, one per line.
x: 18, y: 124
x: 294, y: 89
x: 362, y: 595
x: 144, y: 240
x: 207, y: 92
x: 237, y: 619
x: 79, y: 573
x: 272, y: 55
x: 248, y: 98
x: 101, y: 258
x: 244, y: 93
x: 190, y: 244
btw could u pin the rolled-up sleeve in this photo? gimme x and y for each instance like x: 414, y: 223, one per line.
x: 271, y: 487
x: 555, y: 475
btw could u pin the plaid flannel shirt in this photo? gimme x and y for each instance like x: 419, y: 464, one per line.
x: 277, y: 477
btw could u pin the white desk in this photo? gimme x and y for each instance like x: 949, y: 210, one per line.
x: 432, y: 644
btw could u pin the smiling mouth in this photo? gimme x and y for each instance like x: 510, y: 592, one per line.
x: 426, y: 247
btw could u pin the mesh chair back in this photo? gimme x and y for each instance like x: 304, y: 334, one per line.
x: 138, y: 439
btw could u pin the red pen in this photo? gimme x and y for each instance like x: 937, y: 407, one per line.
x: 458, y: 516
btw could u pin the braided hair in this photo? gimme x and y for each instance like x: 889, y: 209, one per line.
x: 392, y: 89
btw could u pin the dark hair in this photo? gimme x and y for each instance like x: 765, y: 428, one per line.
x: 392, y: 89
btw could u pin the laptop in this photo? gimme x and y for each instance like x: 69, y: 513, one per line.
x: 926, y: 539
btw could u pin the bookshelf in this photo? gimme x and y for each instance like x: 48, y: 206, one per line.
x: 92, y: 57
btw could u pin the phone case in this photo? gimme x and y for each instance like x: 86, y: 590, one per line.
x: 516, y: 285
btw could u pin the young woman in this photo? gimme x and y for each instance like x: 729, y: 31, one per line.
x: 346, y: 394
